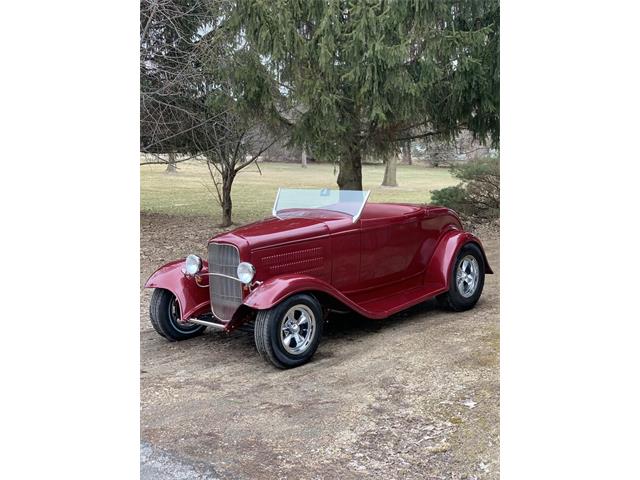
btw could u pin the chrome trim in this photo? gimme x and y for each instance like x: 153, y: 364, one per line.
x: 218, y: 275
x: 251, y: 285
x: 217, y: 326
x: 253, y: 272
x: 199, y: 264
x: 366, y: 199
x: 467, y: 276
x: 225, y: 296
x: 301, y: 330
x: 273, y: 210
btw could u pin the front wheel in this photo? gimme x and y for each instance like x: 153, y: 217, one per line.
x: 288, y: 334
x: 466, y: 280
x: 164, y: 311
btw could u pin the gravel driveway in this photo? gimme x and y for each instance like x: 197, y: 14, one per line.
x: 414, y: 396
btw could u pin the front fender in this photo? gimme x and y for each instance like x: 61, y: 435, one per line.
x: 193, y: 299
x: 276, y: 289
x: 445, y: 254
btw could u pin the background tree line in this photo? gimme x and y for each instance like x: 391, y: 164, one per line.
x: 224, y: 80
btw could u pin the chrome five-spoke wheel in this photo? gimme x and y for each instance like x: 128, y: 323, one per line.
x: 287, y: 335
x: 466, y: 279
x: 467, y: 275
x: 297, y: 330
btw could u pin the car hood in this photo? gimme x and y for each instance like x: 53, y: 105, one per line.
x: 275, y: 231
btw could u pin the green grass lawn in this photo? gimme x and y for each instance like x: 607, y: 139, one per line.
x: 190, y: 191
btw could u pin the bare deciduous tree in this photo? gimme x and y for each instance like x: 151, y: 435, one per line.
x: 239, y: 143
x: 193, y: 74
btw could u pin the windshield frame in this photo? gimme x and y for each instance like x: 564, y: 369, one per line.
x: 355, y: 217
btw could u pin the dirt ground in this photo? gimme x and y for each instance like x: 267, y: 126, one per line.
x: 415, y: 396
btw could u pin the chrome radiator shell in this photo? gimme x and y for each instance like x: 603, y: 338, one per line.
x: 225, y: 294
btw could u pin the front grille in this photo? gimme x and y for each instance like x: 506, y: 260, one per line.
x: 225, y: 294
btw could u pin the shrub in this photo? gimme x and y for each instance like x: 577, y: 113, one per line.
x: 477, y: 197
x: 452, y: 197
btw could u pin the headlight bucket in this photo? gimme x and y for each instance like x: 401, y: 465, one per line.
x: 245, y: 272
x: 192, y: 264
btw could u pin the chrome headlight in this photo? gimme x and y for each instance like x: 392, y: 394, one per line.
x: 192, y: 264
x: 245, y: 272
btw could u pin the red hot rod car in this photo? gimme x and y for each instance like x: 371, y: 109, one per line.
x: 322, y: 250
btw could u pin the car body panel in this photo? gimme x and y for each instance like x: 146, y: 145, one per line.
x: 439, y: 268
x: 311, y: 257
x: 394, y: 256
x: 378, y: 301
x: 192, y: 298
x: 276, y: 289
x: 274, y: 231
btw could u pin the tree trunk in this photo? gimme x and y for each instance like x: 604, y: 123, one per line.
x: 350, y: 176
x: 171, y: 166
x: 406, y: 153
x: 304, y: 158
x: 389, y: 179
x: 227, y: 205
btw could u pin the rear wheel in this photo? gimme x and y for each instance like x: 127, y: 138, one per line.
x: 466, y: 279
x: 164, y: 312
x: 288, y: 334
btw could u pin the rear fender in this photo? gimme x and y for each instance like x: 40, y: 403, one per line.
x: 193, y: 297
x: 439, y: 267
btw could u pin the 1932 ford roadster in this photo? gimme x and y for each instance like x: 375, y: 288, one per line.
x: 322, y: 250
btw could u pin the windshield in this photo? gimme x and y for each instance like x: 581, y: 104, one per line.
x: 349, y: 202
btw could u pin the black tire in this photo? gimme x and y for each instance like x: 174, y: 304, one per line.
x: 164, y: 312
x: 458, y: 300
x: 270, y: 327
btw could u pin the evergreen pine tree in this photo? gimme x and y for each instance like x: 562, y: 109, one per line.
x: 363, y: 77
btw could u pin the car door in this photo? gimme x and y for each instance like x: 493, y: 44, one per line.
x: 345, y: 258
x: 389, y: 247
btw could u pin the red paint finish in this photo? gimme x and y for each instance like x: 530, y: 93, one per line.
x: 311, y: 257
x: 393, y: 257
x: 345, y: 259
x: 439, y: 268
x: 389, y: 246
x: 371, y: 305
x: 273, y: 231
x: 193, y: 299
